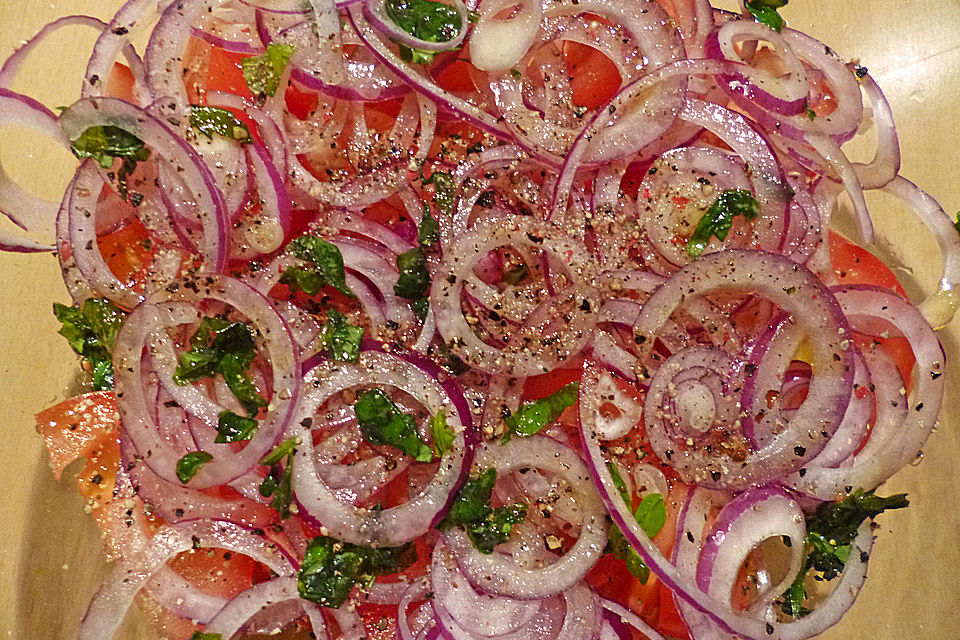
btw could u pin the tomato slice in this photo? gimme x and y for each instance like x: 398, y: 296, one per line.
x: 76, y: 427
x: 856, y: 265
x: 594, y: 78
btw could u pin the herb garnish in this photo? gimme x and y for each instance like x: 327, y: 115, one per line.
x: 227, y: 348
x: 429, y: 231
x: 445, y: 189
x: 443, y: 435
x: 830, y: 534
x: 262, y: 73
x: 486, y: 527
x: 531, y: 417
x: 234, y: 428
x: 213, y: 120
x: 424, y: 19
x: 340, y: 338
x: 200, y: 635
x: 382, y: 423
x: 331, y: 568
x: 765, y: 11
x: 651, y: 515
x: 92, y: 332
x: 328, y: 269
x: 106, y: 143
x: 189, y: 465
x: 279, y: 481
x: 414, y: 280
x: 718, y: 219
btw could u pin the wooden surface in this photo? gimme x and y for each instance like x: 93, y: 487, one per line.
x: 50, y: 556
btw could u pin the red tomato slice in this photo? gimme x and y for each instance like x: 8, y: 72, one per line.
x: 120, y: 84
x: 78, y: 426
x: 210, y: 68
x: 856, y: 265
x: 594, y: 78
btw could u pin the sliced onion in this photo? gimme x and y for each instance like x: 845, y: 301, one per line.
x: 110, y: 604
x: 500, y: 574
x: 396, y: 525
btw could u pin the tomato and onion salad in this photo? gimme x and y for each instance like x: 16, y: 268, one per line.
x: 461, y: 320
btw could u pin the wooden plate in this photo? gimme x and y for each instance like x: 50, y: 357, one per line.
x: 50, y: 554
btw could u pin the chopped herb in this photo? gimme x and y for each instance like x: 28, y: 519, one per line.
x: 619, y: 483
x: 328, y: 271
x: 200, y: 635
x: 190, y: 464
x: 92, y: 331
x: 445, y: 189
x: 212, y: 120
x: 765, y: 11
x: 340, y: 338
x: 227, y: 348
x: 106, y: 143
x: 426, y: 20
x: 301, y: 279
x: 234, y: 428
x: 651, y: 515
x: 262, y: 73
x: 279, y: 452
x: 382, y: 423
x: 443, y: 435
x: 718, y: 219
x: 830, y: 534
x: 956, y: 225
x: 534, y: 416
x: 278, y: 485
x: 331, y: 568
x: 414, y: 280
x: 414, y: 277
x: 429, y: 231
x: 516, y: 73
x: 620, y: 549
x: 810, y: 113
x: 486, y: 527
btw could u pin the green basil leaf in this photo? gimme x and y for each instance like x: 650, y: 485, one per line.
x: 382, y: 423
x: 485, y: 526
x: 92, y: 331
x: 340, y: 338
x: 651, y: 515
x: 428, y: 233
x: 281, y: 451
x: 443, y: 435
x: 104, y: 143
x: 234, y: 428
x: 189, y: 465
x: 328, y: 260
x: 331, y: 569
x: 765, y: 11
x: 445, y: 190
x: 718, y: 219
x: 262, y: 73
x: 531, y: 417
x: 424, y: 19
x: 213, y: 120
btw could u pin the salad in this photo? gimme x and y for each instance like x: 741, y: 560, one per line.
x: 444, y: 320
